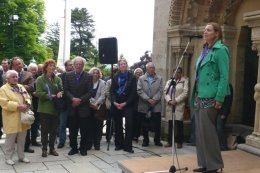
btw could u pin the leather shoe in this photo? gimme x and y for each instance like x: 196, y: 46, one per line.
x: 212, y: 171
x: 60, y: 145
x: 179, y: 145
x: 199, y: 169
x: 129, y: 150
x: 29, y: 150
x: 145, y: 144
x: 83, y: 152
x: 72, y: 152
x: 54, y: 153
x: 44, y: 153
x: 37, y: 144
x: 158, y: 144
x: 97, y: 147
x: 167, y: 145
x: 118, y: 148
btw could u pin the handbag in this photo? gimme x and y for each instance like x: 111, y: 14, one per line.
x: 102, y: 112
x: 59, y: 103
x: 27, y: 117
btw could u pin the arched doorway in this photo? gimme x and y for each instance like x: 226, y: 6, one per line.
x: 250, y: 80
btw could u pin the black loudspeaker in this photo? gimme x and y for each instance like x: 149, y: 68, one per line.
x: 107, y: 50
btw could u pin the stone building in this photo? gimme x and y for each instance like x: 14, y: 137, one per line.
x: 240, y: 21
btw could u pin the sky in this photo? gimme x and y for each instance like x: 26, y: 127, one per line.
x: 130, y: 21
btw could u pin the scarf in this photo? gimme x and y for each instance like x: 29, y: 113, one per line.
x: 122, y: 81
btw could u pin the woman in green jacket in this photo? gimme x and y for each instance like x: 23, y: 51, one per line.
x: 48, y: 87
x: 210, y: 89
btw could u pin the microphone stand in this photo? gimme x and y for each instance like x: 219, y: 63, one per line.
x: 173, y: 84
x: 111, y: 118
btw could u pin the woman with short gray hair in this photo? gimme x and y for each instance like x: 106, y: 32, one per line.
x: 14, y: 99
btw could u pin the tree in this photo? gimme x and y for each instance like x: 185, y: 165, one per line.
x: 53, y: 38
x: 82, y: 33
x: 21, y: 37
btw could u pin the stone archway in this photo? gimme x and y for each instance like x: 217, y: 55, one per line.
x: 253, y: 20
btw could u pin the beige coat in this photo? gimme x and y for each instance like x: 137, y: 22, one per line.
x: 9, y: 101
x: 181, y: 94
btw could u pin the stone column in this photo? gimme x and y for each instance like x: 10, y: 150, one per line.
x: 253, y: 20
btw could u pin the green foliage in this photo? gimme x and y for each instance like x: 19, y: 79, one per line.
x: 53, y: 38
x: 82, y: 33
x: 21, y: 37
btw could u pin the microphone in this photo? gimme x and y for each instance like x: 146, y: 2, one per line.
x: 193, y: 36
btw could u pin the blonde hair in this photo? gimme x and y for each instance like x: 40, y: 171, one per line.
x: 95, y: 69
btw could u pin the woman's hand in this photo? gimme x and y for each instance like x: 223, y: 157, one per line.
x: 59, y: 94
x: 93, y: 106
x: 22, y: 107
x: 218, y: 105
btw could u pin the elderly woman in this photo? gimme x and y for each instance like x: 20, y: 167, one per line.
x: 98, y: 98
x: 175, y: 97
x: 136, y: 116
x: 14, y: 99
x: 211, y: 87
x: 48, y: 87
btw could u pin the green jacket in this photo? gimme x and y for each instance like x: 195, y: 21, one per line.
x: 46, y: 105
x: 213, y: 74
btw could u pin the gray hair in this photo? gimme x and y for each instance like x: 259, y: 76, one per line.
x: 138, y: 70
x: 10, y: 72
x: 79, y: 58
x: 32, y: 66
x: 149, y: 64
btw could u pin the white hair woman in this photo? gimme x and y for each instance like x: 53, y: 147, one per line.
x: 14, y: 99
x: 136, y: 116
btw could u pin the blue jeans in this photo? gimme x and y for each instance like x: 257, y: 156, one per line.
x: 62, y: 126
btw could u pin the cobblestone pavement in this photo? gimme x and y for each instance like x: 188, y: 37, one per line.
x: 95, y: 161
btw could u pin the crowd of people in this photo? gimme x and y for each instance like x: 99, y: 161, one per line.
x: 71, y: 99
x: 74, y: 99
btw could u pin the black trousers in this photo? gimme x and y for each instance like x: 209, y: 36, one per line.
x: 35, y: 126
x: 137, y: 121
x: 95, y: 133
x: 151, y: 124
x: 122, y: 141
x: 82, y: 124
x: 178, y: 132
x: 49, y: 126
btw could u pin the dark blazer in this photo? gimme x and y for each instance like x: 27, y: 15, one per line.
x: 83, y: 91
x: 130, y: 90
x: 27, y: 81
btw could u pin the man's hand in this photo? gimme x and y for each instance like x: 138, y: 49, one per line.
x: 75, y: 102
x: 152, y: 102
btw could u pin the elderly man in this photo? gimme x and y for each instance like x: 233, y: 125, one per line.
x: 150, y: 91
x: 78, y: 90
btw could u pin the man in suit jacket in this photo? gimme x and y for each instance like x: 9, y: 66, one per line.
x: 26, y: 79
x: 78, y: 86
